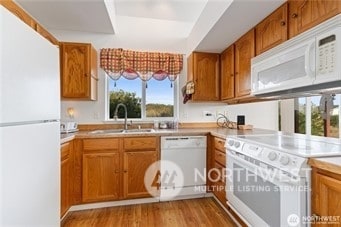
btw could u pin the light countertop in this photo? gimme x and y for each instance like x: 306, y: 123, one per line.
x: 332, y: 164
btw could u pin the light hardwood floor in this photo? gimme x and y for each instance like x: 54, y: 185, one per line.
x: 193, y: 212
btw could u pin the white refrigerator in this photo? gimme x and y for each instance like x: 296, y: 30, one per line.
x: 29, y: 126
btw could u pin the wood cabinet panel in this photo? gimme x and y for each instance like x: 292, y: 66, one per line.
x: 65, y: 180
x: 140, y: 143
x: 101, y: 177
x: 244, y: 51
x: 326, y: 195
x: 100, y: 144
x: 219, y: 144
x: 305, y: 14
x: 78, y: 75
x: 227, y: 73
x: 220, y: 157
x: 204, y: 72
x: 134, y: 168
x: 77, y: 169
x: 273, y: 30
x: 114, y: 168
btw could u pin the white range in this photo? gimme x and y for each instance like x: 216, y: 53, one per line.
x: 268, y: 178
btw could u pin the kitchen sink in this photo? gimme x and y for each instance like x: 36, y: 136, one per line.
x: 120, y: 131
x: 107, y: 131
x: 139, y: 130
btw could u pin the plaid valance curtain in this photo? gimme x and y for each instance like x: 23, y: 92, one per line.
x: 132, y: 64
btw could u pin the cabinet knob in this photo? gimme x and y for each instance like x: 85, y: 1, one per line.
x: 283, y: 23
x: 232, y: 75
x: 85, y: 74
x: 125, y: 171
x: 294, y: 15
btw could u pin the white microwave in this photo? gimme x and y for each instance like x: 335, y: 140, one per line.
x: 311, y: 63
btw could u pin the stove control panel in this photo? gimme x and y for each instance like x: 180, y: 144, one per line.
x: 271, y: 157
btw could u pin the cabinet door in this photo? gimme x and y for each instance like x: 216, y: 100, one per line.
x: 244, y: 51
x: 75, y: 70
x: 328, y: 196
x: 272, y: 31
x: 65, y: 180
x: 206, y: 76
x: 134, y: 168
x: 101, y: 174
x: 305, y: 14
x: 227, y: 73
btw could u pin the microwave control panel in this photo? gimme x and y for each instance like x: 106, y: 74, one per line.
x: 327, y: 54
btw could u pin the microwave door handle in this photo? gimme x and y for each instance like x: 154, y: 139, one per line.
x: 310, y: 60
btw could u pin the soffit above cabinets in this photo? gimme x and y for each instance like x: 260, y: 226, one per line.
x: 167, y: 18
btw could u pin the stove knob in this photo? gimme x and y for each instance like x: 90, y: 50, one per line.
x: 237, y: 144
x: 284, y: 160
x: 272, y: 156
x: 231, y: 142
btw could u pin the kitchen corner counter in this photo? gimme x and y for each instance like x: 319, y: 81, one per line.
x: 331, y: 164
x: 67, y: 137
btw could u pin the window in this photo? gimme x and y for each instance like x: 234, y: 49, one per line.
x: 317, y: 115
x: 144, y: 100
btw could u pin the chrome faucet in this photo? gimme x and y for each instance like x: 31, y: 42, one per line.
x: 125, y: 114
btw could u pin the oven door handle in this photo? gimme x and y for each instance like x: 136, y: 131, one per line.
x: 264, y: 173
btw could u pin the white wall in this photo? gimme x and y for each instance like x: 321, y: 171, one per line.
x: 261, y: 115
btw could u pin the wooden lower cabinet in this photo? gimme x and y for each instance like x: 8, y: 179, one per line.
x: 101, y: 175
x: 65, y: 178
x: 114, y: 168
x: 216, y: 166
x: 326, y: 196
x: 135, y: 165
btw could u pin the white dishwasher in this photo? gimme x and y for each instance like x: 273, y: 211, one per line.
x: 183, y: 156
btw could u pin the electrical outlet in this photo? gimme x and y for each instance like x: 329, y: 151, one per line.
x: 207, y: 114
x: 185, y: 115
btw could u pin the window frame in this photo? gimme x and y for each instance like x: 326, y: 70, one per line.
x: 308, y: 120
x: 143, y: 103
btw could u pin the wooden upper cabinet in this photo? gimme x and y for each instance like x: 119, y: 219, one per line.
x: 203, y: 70
x: 273, y: 30
x: 227, y: 73
x: 305, y: 14
x: 78, y: 71
x: 244, y: 51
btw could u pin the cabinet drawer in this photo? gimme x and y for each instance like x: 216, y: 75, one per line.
x: 219, y: 172
x: 140, y: 143
x: 100, y: 144
x: 219, y: 144
x: 64, y: 151
x: 220, y: 157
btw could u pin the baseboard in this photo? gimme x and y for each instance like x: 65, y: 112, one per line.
x: 113, y: 204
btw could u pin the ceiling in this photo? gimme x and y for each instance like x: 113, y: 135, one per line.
x: 166, y: 17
